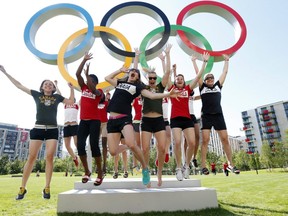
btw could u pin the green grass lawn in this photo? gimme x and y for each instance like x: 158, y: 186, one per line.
x: 244, y: 194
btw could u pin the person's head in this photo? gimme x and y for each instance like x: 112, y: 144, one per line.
x: 94, y: 78
x: 108, y: 96
x: 152, y: 78
x: 48, y: 87
x: 179, y: 81
x: 134, y: 75
x: 209, y: 79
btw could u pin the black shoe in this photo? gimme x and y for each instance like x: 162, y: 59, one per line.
x: 115, y: 176
x: 195, y: 164
x: 46, y: 193
x: 125, y: 175
x: 205, y: 171
x: 21, y: 193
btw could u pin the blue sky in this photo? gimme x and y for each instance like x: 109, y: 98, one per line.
x: 256, y: 74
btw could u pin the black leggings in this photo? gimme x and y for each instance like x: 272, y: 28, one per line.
x: 86, y: 128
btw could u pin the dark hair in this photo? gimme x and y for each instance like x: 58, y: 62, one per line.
x: 41, y: 90
x: 178, y: 76
x: 126, y: 77
x: 94, y: 78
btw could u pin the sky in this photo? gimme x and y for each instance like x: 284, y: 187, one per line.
x: 256, y: 71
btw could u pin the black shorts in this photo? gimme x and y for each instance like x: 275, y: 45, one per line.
x: 152, y: 125
x: 181, y: 122
x: 44, y: 134
x: 70, y: 130
x: 117, y: 125
x: 136, y: 127
x: 213, y: 120
x: 193, y: 118
x: 167, y: 123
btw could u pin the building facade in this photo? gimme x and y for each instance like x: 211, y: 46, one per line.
x: 267, y: 123
x: 14, y: 142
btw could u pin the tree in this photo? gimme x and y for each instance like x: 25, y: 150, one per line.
x: 241, y: 160
x: 4, y: 165
x: 267, y: 156
x: 16, y: 167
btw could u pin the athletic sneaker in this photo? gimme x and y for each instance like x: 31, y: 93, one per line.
x: 145, y: 176
x: 186, y: 172
x: 21, y: 193
x: 194, y: 162
x: 76, y: 162
x: 179, y: 174
x: 46, y: 193
x: 233, y: 169
x: 205, y: 171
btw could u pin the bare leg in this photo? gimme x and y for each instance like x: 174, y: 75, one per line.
x: 34, y: 148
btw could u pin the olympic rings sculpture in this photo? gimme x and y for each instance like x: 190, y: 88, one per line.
x: 191, y: 41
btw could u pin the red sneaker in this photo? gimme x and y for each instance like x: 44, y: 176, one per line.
x: 166, y: 158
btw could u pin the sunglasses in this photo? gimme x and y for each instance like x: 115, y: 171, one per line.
x: 208, y: 78
x: 152, y: 78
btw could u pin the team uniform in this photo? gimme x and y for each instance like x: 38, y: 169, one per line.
x: 180, y: 115
x: 120, y: 103
x: 89, y: 122
x: 46, y: 119
x: 71, y: 119
x: 211, y: 113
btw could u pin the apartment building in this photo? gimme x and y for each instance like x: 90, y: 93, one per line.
x: 267, y: 123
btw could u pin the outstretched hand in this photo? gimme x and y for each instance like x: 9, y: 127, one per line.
x: 88, y: 56
x: 174, y: 93
x: 206, y: 56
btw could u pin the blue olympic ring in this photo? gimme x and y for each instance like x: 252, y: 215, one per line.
x: 110, y: 16
x: 38, y: 19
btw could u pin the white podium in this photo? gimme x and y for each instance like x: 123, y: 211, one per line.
x: 130, y: 195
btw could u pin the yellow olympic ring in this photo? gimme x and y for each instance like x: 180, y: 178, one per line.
x: 62, y: 65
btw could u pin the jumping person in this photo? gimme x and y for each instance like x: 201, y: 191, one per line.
x: 45, y: 129
x: 212, y: 115
x: 70, y: 125
x: 120, y: 109
x: 152, y: 118
x: 89, y: 120
x: 181, y: 120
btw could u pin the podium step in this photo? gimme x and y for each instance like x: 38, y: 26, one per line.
x: 129, y: 195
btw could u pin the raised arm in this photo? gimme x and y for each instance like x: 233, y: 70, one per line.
x: 162, y: 58
x: 15, y: 82
x: 136, y: 58
x: 194, y: 82
x: 71, y: 99
x: 166, y: 77
x: 80, y: 79
x: 112, y: 79
x: 168, y: 63
x: 91, y: 85
x: 225, y: 69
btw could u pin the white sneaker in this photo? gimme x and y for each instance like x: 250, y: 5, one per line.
x: 186, y: 172
x: 179, y: 174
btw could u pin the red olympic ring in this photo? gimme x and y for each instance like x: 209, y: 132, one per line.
x: 222, y: 10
